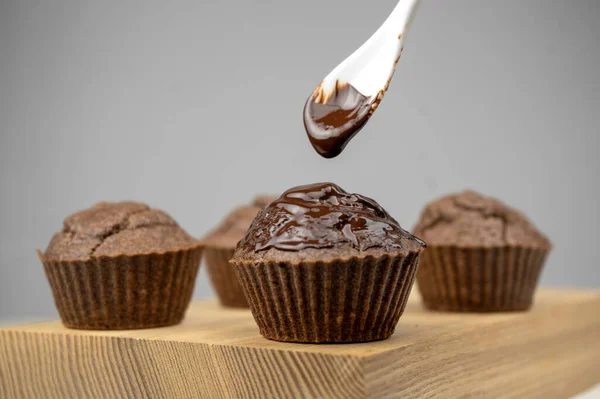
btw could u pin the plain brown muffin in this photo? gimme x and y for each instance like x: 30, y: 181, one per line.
x: 471, y: 219
x: 482, y: 255
x: 220, y: 246
x: 323, y: 265
x: 121, y: 265
x: 112, y: 229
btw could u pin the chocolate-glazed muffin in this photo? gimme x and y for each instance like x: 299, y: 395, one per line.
x: 121, y: 266
x: 220, y: 246
x: 322, y: 265
x: 482, y: 255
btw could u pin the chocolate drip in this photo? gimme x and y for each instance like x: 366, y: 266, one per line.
x: 322, y: 215
x: 331, y: 124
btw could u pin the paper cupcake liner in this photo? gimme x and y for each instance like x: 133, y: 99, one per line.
x: 223, y: 277
x: 353, y: 300
x: 480, y: 279
x: 124, y: 292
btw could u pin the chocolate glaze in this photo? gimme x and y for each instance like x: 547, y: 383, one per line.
x: 331, y: 124
x: 323, y: 215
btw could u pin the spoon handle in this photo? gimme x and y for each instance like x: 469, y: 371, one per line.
x: 378, y: 55
x: 399, y: 21
x: 403, y: 14
x: 398, y: 25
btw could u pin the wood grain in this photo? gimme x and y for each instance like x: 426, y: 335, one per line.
x: 551, y: 351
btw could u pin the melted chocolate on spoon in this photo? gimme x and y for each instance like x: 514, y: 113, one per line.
x: 331, y: 124
x: 323, y: 215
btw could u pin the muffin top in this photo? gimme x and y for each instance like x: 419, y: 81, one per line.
x: 120, y: 228
x: 469, y: 219
x: 233, y: 227
x: 322, y: 222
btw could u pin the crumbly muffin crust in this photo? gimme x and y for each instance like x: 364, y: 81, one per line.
x: 119, y: 228
x: 470, y: 219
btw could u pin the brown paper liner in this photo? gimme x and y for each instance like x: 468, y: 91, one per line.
x: 353, y: 300
x: 124, y: 292
x: 480, y: 279
x: 223, y: 277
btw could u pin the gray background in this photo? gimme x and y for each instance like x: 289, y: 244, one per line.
x: 196, y: 106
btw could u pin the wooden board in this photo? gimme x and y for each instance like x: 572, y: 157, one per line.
x: 551, y: 351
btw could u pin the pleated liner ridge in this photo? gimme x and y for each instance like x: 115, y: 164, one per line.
x: 124, y: 292
x: 480, y: 279
x: 352, y: 300
x: 223, y: 277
